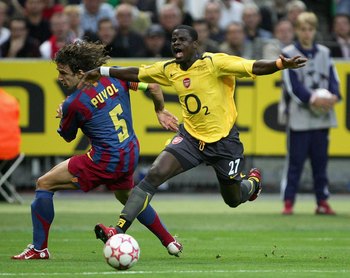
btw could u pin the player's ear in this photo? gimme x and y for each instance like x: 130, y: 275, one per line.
x: 80, y: 73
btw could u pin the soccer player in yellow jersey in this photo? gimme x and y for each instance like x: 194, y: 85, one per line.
x: 205, y: 84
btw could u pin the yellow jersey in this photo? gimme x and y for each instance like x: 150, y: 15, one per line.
x: 205, y: 91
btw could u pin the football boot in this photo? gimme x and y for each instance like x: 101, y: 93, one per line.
x: 32, y: 254
x: 255, y: 175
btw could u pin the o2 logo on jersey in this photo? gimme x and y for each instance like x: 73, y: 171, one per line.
x: 187, y: 82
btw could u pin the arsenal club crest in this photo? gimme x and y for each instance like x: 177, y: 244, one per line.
x: 187, y: 82
x: 177, y: 140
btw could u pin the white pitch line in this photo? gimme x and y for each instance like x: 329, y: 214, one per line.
x: 128, y: 272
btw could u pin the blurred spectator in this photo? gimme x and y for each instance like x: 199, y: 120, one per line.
x: 141, y: 20
x: 38, y: 27
x: 256, y: 35
x: 91, y: 12
x: 149, y: 6
x: 277, y: 8
x: 14, y: 7
x: 154, y: 45
x: 212, y: 14
x: 205, y: 44
x: 169, y: 17
x: 129, y: 42
x: 196, y: 8
x: 340, y: 40
x: 252, y: 19
x: 231, y: 11
x: 235, y: 42
x: 283, y: 36
x: 72, y: 2
x: 20, y: 44
x: 294, y: 8
x: 342, y: 7
x: 107, y: 33
x: 271, y: 12
x: 113, y: 3
x: 186, y: 16
x: 324, y: 10
x: 73, y: 13
x: 51, y: 7
x: 4, y: 32
x: 61, y: 35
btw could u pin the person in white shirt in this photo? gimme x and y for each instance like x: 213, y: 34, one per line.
x: 61, y: 35
x: 92, y: 11
x: 231, y: 11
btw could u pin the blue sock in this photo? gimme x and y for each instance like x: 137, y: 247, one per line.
x: 42, y: 217
x: 151, y: 220
x: 147, y: 216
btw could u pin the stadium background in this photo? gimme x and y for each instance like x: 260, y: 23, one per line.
x: 34, y: 83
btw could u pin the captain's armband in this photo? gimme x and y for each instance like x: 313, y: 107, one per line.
x: 142, y: 86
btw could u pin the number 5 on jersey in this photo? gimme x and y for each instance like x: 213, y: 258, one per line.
x: 119, y: 124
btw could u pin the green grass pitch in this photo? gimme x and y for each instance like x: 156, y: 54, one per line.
x: 254, y: 240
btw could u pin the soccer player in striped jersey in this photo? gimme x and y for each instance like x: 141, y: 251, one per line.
x: 103, y: 113
x: 205, y: 84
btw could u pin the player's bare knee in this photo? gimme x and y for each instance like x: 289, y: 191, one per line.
x: 41, y: 184
x: 156, y: 175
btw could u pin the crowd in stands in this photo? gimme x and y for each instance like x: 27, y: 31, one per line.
x: 142, y: 28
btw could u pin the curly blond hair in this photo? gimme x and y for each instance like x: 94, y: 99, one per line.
x: 82, y: 55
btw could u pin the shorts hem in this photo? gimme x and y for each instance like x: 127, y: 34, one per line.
x: 183, y: 161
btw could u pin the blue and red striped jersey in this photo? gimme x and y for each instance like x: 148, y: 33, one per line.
x: 103, y: 113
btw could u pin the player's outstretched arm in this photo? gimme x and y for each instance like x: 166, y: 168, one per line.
x: 263, y: 67
x: 89, y: 78
x: 165, y: 118
x: 123, y: 73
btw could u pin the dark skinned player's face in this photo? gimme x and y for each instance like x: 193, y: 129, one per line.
x: 182, y: 46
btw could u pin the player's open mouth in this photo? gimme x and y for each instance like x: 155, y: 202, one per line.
x: 178, y: 53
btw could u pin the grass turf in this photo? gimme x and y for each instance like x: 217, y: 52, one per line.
x: 254, y: 240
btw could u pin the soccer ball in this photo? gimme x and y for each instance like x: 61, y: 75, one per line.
x: 121, y: 251
x: 321, y: 93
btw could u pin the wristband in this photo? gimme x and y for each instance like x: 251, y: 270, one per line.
x: 104, y: 71
x: 279, y: 64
